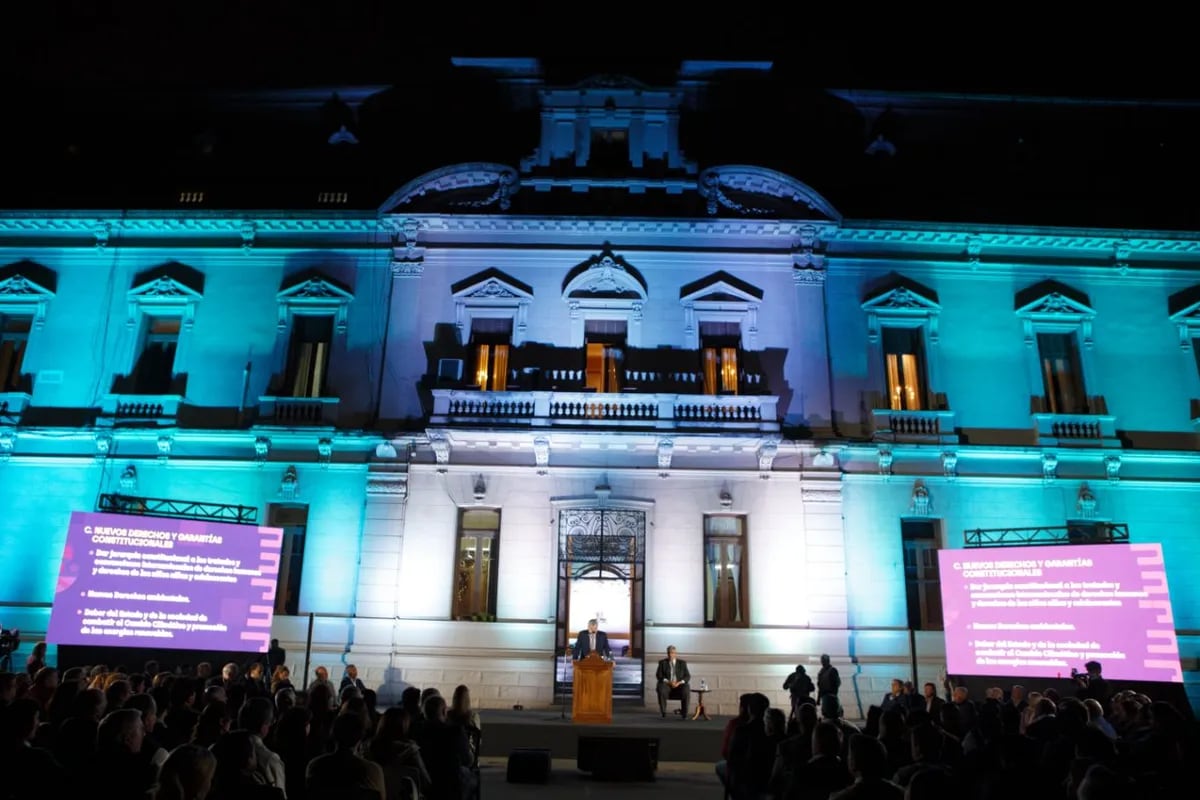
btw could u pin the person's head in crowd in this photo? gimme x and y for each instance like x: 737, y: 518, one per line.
x: 929, y: 690
x: 891, y: 725
x: 8, y: 688
x: 23, y: 681
x: 960, y: 694
x: 830, y: 707
x: 1094, y: 709
x: 926, y: 742
x: 112, y: 678
x: 759, y: 703
x: 291, y: 732
x: 1093, y: 668
x: 215, y: 692
x: 994, y: 693
x: 213, y: 723
x: 322, y: 673
x: 427, y: 693
x: 827, y: 740
x: 867, y: 758
x: 235, y: 763
x: 117, y: 693
x: 256, y: 716
x: 410, y: 701
x: 144, y: 704
x: 460, y: 704
x: 352, y: 672
x: 39, y: 652
x: 1017, y: 694
x: 255, y: 671
x: 45, y: 680
x: 89, y: 704
x: 347, y: 692
x: 348, y: 731
x: 151, y: 667
x: 204, y: 670
x: 775, y: 722
x: 825, y: 659
x: 187, y: 774
x: 744, y: 707
x: 18, y: 722
x: 370, y: 700
x: 183, y: 692
x: 930, y: 784
x: 950, y: 720
x: 229, y: 672
x: 138, y: 683
x: 73, y: 675
x: 281, y: 674
x: 97, y: 670
x: 435, y: 708
x: 320, y: 699
x: 1102, y: 783
x: 353, y: 704
x: 392, y: 727
x: 1052, y: 695
x: 806, y: 716
x: 897, y: 686
x: 121, y: 731
x: 871, y: 723
x: 284, y: 699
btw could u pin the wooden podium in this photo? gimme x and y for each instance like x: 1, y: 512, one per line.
x: 591, y: 695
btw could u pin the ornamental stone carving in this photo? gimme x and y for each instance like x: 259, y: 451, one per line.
x: 289, y: 484
x: 1049, y: 466
x: 1085, y: 503
x: 950, y: 464
x: 441, y: 450
x: 766, y: 457
x: 165, y: 443
x: 541, y: 454
x: 921, y: 504
x: 1112, y: 467
x: 128, y: 481
x: 388, y: 484
x: 104, y: 442
x: 262, y: 449
x: 8, y: 441
x: 666, y: 448
x: 885, y: 458
x: 324, y: 451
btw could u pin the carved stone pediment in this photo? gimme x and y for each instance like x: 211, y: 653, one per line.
x: 605, y: 275
x: 904, y: 302
x: 314, y: 293
x: 758, y: 191
x: 26, y: 287
x: 170, y: 289
x: 473, y: 185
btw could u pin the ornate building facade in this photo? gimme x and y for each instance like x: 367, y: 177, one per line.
x: 691, y: 399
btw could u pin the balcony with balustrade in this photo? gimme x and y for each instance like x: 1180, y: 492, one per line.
x: 916, y: 427
x: 139, y: 410
x: 298, y: 411
x: 1076, y: 430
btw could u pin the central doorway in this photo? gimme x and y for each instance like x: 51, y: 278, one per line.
x: 601, y: 575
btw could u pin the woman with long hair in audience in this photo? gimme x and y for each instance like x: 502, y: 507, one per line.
x: 36, y: 660
x: 187, y: 774
x: 398, y: 755
x: 461, y: 713
x: 281, y: 678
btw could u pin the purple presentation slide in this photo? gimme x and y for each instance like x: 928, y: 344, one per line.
x: 131, y: 581
x: 1041, y: 611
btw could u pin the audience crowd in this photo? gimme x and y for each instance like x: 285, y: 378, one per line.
x: 1024, y: 746
x: 190, y: 734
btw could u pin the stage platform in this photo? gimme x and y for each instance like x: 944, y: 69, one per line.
x: 679, y: 740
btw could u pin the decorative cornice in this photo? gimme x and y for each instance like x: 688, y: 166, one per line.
x: 457, y: 177
x: 759, y: 182
x: 393, y: 484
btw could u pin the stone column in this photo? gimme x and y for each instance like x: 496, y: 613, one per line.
x: 382, y: 539
x: 810, y: 355
x: 405, y: 361
x: 825, y: 548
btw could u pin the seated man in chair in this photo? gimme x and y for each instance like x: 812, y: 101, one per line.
x: 673, y: 678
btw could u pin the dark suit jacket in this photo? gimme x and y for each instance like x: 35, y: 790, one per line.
x: 681, y: 670
x: 583, y: 644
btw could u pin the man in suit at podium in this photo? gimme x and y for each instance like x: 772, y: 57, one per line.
x: 673, y: 677
x: 592, y: 640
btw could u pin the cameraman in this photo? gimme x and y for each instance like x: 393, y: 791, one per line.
x: 1092, y: 684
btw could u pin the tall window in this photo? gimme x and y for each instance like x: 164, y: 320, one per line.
x: 1196, y: 352
x: 904, y: 365
x: 1062, y: 374
x: 725, y: 588
x: 609, y: 149
x: 294, y: 521
x: 308, y: 355
x: 604, y: 342
x: 491, y: 339
x: 475, y: 567
x: 922, y: 580
x: 155, y: 368
x: 14, y: 337
x: 719, y: 343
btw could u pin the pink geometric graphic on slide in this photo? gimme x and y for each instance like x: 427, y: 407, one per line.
x: 1154, y: 582
x: 258, y: 617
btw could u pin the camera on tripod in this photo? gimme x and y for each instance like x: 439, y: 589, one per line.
x: 10, y: 640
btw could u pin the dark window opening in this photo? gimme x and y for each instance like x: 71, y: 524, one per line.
x: 609, y: 150
x: 1062, y: 374
x: 308, y: 355
x: 922, y: 578
x: 14, y: 338
x: 155, y: 368
x: 294, y: 521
